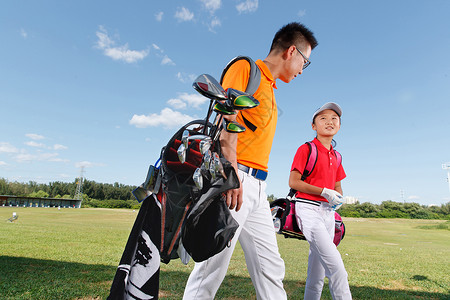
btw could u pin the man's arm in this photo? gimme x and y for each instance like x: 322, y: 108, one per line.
x: 228, y: 142
x: 236, y: 77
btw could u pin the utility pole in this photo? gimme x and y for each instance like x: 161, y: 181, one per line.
x: 79, y: 191
x: 446, y: 166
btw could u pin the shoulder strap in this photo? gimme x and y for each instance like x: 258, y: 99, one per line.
x: 309, y: 167
x: 311, y: 162
x: 254, y: 77
x: 338, y: 158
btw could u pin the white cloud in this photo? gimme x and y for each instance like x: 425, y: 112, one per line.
x: 301, y: 13
x: 104, y: 41
x: 247, y: 6
x: 7, y: 148
x: 212, y: 5
x: 2, y: 163
x: 125, y: 54
x: 177, y: 103
x: 183, y: 14
x: 159, y: 16
x: 59, y: 147
x: 23, y: 33
x: 167, y: 118
x: 122, y: 53
x: 194, y: 100
x: 183, y: 77
x: 24, y: 157
x: 167, y: 61
x: 35, y: 144
x: 184, y: 100
x: 34, y: 136
x: 413, y: 197
x: 215, y: 22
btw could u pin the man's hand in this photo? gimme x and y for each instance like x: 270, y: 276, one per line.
x: 334, y: 198
x: 234, y: 198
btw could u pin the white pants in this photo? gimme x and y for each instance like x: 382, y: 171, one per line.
x: 258, y: 240
x: 317, y: 224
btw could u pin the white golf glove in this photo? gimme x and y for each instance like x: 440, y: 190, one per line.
x: 334, y: 198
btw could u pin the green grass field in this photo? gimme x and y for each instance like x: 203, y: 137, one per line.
x: 73, y: 254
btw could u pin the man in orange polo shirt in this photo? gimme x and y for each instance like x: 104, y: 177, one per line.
x: 249, y: 153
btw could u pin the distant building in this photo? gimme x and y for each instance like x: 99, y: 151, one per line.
x: 6, y: 200
x: 350, y: 200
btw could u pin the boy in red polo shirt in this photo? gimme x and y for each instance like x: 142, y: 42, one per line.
x: 317, y: 197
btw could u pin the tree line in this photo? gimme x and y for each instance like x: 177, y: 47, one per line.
x: 391, y: 209
x: 118, y: 195
x: 94, y: 194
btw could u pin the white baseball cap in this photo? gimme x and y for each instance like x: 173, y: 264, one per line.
x: 330, y: 105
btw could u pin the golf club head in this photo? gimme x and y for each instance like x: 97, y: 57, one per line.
x: 198, y: 178
x: 209, y: 87
x: 233, y: 127
x: 182, y: 153
x: 204, y: 146
x: 206, y: 160
x: 184, y: 138
x: 223, y: 110
x: 240, y: 100
x: 218, y: 166
x: 201, y: 137
x: 212, y: 169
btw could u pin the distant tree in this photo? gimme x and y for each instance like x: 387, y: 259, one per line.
x: 271, y: 198
x: 39, y: 194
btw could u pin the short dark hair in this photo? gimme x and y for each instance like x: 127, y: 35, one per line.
x: 293, y: 34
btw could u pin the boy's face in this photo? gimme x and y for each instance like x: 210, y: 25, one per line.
x: 327, y: 123
x: 294, y: 63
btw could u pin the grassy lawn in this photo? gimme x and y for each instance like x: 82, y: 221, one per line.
x: 73, y: 254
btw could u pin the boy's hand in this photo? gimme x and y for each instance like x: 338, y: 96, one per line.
x: 334, y: 198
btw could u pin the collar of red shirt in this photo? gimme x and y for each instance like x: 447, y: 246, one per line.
x: 322, y: 147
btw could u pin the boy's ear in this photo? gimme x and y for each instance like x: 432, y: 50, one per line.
x: 313, y: 126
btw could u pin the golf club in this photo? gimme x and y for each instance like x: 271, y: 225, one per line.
x: 239, y: 100
x: 182, y: 153
x: 198, y: 178
x: 233, y: 127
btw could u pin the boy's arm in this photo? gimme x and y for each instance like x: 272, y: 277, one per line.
x: 338, y: 187
x: 296, y: 183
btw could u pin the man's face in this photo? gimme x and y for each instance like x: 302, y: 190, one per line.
x: 296, y: 60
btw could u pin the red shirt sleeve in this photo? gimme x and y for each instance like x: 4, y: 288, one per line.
x: 300, y: 159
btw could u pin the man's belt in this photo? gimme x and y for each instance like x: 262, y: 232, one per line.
x: 258, y: 174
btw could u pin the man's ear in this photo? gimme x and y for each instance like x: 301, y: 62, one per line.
x: 289, y: 52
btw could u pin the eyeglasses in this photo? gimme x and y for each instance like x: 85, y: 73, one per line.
x: 307, y: 61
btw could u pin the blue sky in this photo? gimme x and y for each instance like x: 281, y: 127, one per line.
x: 105, y: 84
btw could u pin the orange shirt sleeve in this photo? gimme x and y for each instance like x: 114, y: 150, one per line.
x: 237, y: 76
